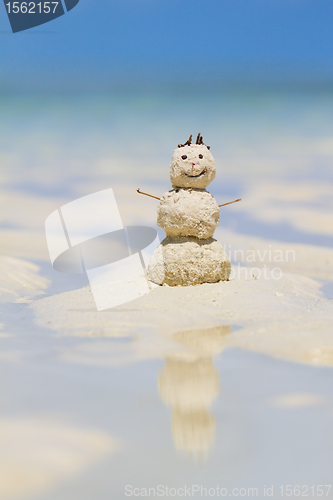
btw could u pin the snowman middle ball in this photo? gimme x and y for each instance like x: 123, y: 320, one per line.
x: 188, y: 212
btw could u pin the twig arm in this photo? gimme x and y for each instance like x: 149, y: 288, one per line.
x: 229, y: 203
x: 146, y: 194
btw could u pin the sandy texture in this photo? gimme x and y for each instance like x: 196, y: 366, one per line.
x: 304, y: 260
x: 289, y: 318
x: 192, y: 171
x: 188, y: 212
x: 189, y: 261
x: 20, y: 280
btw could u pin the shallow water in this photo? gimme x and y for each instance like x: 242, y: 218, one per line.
x: 327, y: 288
x: 233, y: 420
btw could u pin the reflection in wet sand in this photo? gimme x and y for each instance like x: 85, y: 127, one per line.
x: 189, y: 383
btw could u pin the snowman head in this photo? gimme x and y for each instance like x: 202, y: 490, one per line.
x: 192, y: 165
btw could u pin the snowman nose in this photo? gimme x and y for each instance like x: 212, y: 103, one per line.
x: 193, y: 163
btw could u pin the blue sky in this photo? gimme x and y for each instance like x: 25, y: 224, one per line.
x: 102, y: 43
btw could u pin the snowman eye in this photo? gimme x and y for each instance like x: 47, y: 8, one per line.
x: 184, y: 157
x: 200, y: 156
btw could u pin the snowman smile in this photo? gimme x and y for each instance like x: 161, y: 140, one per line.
x: 198, y: 175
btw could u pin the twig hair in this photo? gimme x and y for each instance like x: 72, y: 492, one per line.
x: 187, y: 143
x: 199, y: 141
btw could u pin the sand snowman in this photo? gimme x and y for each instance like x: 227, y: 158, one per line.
x: 189, y: 215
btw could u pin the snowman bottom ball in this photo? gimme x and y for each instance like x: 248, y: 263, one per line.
x: 189, y: 261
